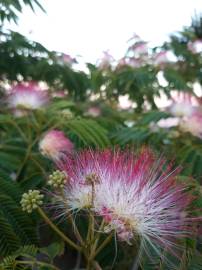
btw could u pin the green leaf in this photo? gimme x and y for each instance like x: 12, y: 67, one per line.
x: 89, y: 131
x: 53, y: 250
x: 152, y: 116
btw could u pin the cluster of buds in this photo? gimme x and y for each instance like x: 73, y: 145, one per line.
x: 31, y: 200
x: 57, y: 179
x: 67, y: 114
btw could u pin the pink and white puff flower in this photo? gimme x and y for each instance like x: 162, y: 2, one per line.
x: 83, y: 172
x: 134, y: 195
x: 184, y: 105
x: 27, y: 96
x: 193, y: 125
x: 106, y: 61
x: 195, y: 46
x: 161, y: 58
x: 139, y: 48
x: 55, y: 145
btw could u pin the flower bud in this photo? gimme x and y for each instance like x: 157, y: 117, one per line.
x: 57, y: 179
x: 31, y: 200
x: 67, y: 114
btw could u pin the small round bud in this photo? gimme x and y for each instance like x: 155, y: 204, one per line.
x: 57, y: 179
x: 31, y: 200
x: 67, y: 114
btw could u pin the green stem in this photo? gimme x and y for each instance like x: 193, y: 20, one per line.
x: 69, y: 217
x: 97, y: 236
x: 104, y: 243
x: 97, y: 266
x: 29, y: 149
x: 39, y: 166
x: 37, y: 262
x: 77, y: 233
x: 28, y: 153
x: 19, y: 130
x: 90, y: 233
x: 55, y: 228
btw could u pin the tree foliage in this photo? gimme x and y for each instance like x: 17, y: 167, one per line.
x: 91, y: 116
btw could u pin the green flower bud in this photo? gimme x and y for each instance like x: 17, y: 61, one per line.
x: 31, y: 200
x: 57, y: 179
x: 67, y: 114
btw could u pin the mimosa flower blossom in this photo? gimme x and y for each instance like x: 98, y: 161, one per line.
x: 184, y: 105
x: 137, y: 196
x: 66, y: 59
x: 195, y: 46
x: 193, y: 124
x: 161, y: 58
x: 55, y: 145
x: 106, y: 61
x: 27, y: 96
x: 94, y: 111
x: 139, y: 48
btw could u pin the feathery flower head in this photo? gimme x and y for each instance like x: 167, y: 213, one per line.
x: 66, y: 59
x: 94, y: 111
x: 106, y: 61
x: 55, y: 145
x: 135, y: 194
x: 195, y: 46
x: 140, y: 48
x: 161, y: 58
x: 193, y: 124
x: 184, y: 105
x: 27, y: 96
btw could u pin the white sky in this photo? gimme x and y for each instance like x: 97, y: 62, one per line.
x: 87, y: 27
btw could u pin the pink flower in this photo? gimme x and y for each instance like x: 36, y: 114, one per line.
x: 122, y: 63
x: 193, y: 124
x: 137, y: 195
x: 55, y: 145
x: 161, y: 58
x: 136, y: 62
x: 139, y: 48
x: 106, y: 61
x: 27, y: 96
x: 195, y: 46
x: 94, y: 111
x: 66, y: 59
x: 59, y: 94
x: 184, y: 105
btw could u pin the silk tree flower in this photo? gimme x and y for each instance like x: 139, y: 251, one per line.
x: 181, y: 109
x: 193, y: 125
x: 66, y: 59
x: 106, y: 61
x: 161, y: 58
x: 26, y: 96
x: 138, y: 196
x: 83, y: 171
x: 122, y: 62
x: 94, y: 111
x: 184, y: 105
x: 60, y: 94
x: 55, y: 145
x: 195, y: 46
x: 139, y: 48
